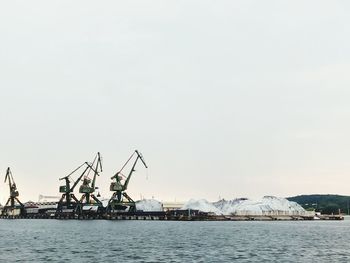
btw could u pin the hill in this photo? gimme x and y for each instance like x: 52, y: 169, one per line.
x: 326, y: 204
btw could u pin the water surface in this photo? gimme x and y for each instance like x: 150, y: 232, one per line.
x: 166, y: 241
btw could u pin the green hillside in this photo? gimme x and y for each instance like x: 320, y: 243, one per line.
x: 326, y: 204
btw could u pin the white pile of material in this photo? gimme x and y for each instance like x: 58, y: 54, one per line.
x: 202, y: 205
x: 268, y: 205
x: 149, y: 205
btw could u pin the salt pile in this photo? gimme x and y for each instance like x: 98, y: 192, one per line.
x: 149, y: 205
x: 268, y: 205
x: 202, y: 205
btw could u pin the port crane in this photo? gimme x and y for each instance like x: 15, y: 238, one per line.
x: 69, y: 202
x: 117, y: 201
x: 88, y: 186
x: 13, y: 201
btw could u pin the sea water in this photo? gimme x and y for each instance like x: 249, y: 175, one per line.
x: 173, y: 241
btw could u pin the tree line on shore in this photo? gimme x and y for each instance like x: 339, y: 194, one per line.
x: 324, y: 203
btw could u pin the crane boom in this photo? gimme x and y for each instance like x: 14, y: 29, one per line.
x: 139, y: 157
x: 73, y: 172
x: 8, y: 177
x: 98, y: 165
x: 79, y: 178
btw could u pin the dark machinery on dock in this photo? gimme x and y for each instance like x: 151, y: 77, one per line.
x: 13, y: 207
x: 68, y: 206
x: 120, y: 200
x: 89, y: 204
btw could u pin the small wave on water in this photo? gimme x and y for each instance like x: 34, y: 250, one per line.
x: 166, y: 241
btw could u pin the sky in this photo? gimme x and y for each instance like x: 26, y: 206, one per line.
x: 224, y: 99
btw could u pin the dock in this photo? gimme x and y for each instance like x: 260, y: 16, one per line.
x: 170, y: 215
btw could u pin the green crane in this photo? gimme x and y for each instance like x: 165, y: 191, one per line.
x: 68, y: 200
x: 88, y: 186
x: 13, y: 201
x: 117, y: 201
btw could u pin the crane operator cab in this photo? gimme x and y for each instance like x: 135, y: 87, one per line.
x: 14, y: 192
x: 117, y: 185
x: 85, y: 188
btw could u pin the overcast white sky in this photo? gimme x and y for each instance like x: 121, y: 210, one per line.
x: 223, y: 98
